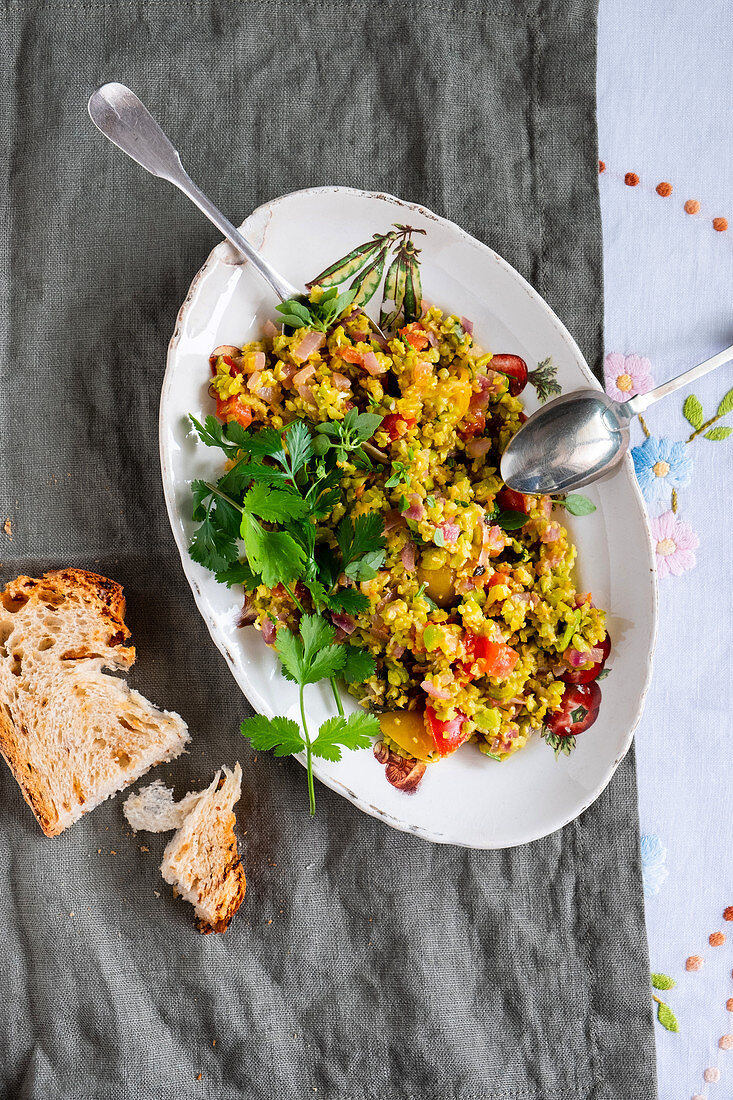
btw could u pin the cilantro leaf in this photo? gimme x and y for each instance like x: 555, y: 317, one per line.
x: 211, y: 432
x: 350, y: 601
x: 364, y: 534
x: 201, y: 491
x: 239, y: 572
x: 275, y: 505
x: 281, y: 735
x: 359, y: 665
x: 300, y: 446
x: 327, y: 663
x: 317, y: 633
x: 265, y: 443
x: 289, y: 649
x: 354, y: 732
x: 274, y: 554
x: 212, y: 547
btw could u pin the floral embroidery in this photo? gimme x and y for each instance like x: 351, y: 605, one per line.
x: 716, y: 939
x: 627, y: 375
x: 664, y: 189
x: 674, y: 543
x: 653, y: 864
x: 661, y: 465
x: 665, y: 1015
x: 695, y: 962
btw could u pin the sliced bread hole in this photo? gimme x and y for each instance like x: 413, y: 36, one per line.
x: 123, y: 759
x: 13, y: 604
x: 45, y: 644
x: 77, y: 655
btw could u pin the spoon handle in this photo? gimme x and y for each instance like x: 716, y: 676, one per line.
x: 122, y: 118
x: 643, y: 400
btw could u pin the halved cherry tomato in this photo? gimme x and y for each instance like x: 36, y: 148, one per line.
x: 488, y: 658
x: 514, y: 368
x: 234, y: 409
x: 448, y: 736
x: 577, y: 711
x: 415, y: 336
x: 351, y: 355
x: 587, y: 675
x: 396, y: 425
x: 408, y: 729
x: 510, y: 501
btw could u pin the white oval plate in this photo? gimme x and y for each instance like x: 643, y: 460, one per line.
x: 467, y: 799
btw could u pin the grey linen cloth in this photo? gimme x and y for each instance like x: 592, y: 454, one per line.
x: 365, y: 963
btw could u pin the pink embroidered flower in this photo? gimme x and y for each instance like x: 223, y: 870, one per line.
x: 675, y: 543
x: 627, y: 375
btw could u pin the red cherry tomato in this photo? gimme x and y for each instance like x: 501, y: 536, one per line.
x: 514, y: 368
x: 577, y: 711
x: 395, y: 425
x: 448, y: 736
x: 488, y: 658
x: 510, y: 501
x: 587, y: 675
x: 234, y: 409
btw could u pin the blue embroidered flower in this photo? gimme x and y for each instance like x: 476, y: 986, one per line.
x: 661, y: 465
x: 653, y: 863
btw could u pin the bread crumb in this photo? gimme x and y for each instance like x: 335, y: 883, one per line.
x: 8, y: 528
x: 112, y: 852
x: 269, y: 922
x: 71, y: 914
x: 213, y: 1042
x: 99, y: 851
x: 198, y: 1078
x: 144, y: 848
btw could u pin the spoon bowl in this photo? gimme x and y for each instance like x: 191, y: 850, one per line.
x: 582, y: 436
x: 570, y: 442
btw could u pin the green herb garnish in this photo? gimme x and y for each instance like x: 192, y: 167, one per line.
x: 320, y: 315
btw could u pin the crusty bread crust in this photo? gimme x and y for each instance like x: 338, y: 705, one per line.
x: 72, y: 734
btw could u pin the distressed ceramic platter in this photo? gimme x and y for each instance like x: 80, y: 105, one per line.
x: 467, y: 799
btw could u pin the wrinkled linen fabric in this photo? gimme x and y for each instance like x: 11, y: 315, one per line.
x: 365, y: 963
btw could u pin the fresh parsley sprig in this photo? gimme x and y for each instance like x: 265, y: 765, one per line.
x: 307, y: 659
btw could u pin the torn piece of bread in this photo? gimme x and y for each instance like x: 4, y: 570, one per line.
x: 71, y: 733
x: 154, y: 809
x: 201, y: 861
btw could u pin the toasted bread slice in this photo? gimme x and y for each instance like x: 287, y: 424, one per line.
x: 201, y: 861
x: 71, y: 733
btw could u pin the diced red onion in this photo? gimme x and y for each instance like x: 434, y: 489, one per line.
x: 467, y: 325
x: 408, y: 555
x: 343, y: 622
x: 269, y: 328
x: 303, y: 375
x: 310, y: 343
x: 248, y: 615
x: 340, y: 381
x: 393, y: 518
x: 432, y: 338
x: 267, y: 394
x: 475, y: 448
x: 397, y: 651
x: 415, y: 510
x: 437, y: 693
x: 551, y: 533
x: 545, y: 506
x: 576, y: 658
x: 269, y: 633
x: 225, y: 349
x: 359, y: 337
x: 254, y: 380
x: 288, y: 371
x: 388, y: 595
x: 451, y: 531
x: 378, y: 633
x: 371, y: 364
x: 305, y: 393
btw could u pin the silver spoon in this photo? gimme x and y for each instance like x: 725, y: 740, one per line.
x: 581, y: 436
x: 122, y: 118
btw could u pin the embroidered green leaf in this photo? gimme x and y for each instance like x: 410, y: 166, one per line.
x: 663, y: 981
x: 579, y: 505
x: 726, y: 405
x: 717, y: 435
x: 666, y: 1017
x: 692, y: 410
